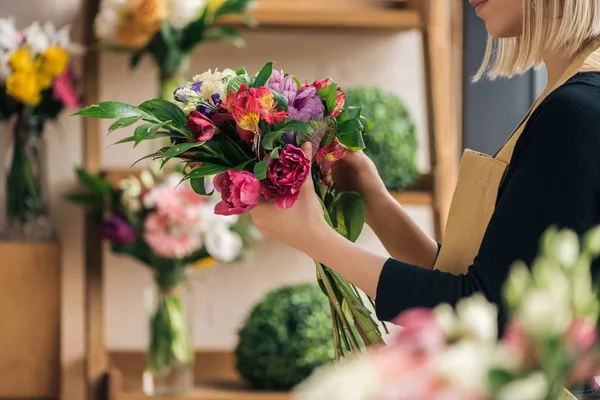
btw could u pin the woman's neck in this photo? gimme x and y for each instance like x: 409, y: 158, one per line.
x: 556, y: 67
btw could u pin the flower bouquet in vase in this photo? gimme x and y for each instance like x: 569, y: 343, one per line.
x: 550, y: 341
x: 248, y: 129
x: 167, y: 30
x: 36, y: 84
x: 163, y: 223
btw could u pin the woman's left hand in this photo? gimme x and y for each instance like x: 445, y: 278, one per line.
x: 296, y: 226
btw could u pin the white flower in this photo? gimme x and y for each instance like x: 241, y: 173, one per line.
x: 60, y: 37
x: 592, y: 241
x: 187, y: 99
x: 466, y: 365
x: 131, y: 192
x: 214, y: 82
x: 351, y: 379
x: 534, y: 387
x: 544, y: 313
x: 446, y: 317
x: 517, y: 283
x: 223, y: 244
x: 478, y: 318
x: 106, y: 24
x: 147, y: 179
x: 183, y: 12
x: 36, y: 38
x: 9, y: 36
x: 566, y: 247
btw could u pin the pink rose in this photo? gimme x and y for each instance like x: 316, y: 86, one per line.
x: 240, y: 191
x: 421, y: 329
x: 168, y: 239
x: 582, y: 334
x: 202, y: 127
x: 285, y: 176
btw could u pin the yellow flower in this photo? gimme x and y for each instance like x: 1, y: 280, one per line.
x: 54, y: 61
x: 21, y: 60
x: 141, y: 22
x: 24, y: 87
x: 204, y: 263
x: 44, y: 81
x: 214, y: 5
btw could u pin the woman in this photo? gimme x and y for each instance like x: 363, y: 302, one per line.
x: 548, y: 173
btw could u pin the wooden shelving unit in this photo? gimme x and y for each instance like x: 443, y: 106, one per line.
x: 438, y: 21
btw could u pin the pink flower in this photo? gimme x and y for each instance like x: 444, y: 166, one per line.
x: 285, y: 176
x: 202, y: 127
x: 322, y: 84
x: 515, y: 340
x: 582, y: 334
x: 169, y: 240
x: 240, y: 191
x: 328, y: 155
x: 340, y: 100
x: 177, y: 201
x: 63, y: 89
x: 420, y: 329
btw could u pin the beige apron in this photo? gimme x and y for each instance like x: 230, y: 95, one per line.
x: 479, y: 179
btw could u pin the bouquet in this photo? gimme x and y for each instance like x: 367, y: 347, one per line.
x: 36, y: 84
x: 163, y: 223
x: 167, y: 30
x: 550, y: 341
x: 248, y: 129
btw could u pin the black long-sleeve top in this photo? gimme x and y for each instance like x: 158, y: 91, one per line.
x: 553, y: 179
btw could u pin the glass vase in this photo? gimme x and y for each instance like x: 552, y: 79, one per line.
x: 26, y: 217
x: 170, y: 355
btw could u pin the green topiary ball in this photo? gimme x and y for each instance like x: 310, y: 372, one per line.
x: 392, y: 144
x: 287, y: 335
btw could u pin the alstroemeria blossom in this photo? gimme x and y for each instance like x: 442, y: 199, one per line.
x: 201, y: 126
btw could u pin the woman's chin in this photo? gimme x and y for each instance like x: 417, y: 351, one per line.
x: 502, y: 32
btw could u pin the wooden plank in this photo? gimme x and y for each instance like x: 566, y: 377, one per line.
x: 96, y: 355
x: 30, y: 334
x: 216, y: 391
x: 333, y: 18
x: 413, y: 198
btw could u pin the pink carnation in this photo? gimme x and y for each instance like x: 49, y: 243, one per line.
x: 240, y: 191
x: 169, y: 240
x: 285, y: 176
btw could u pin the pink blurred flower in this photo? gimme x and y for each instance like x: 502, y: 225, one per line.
x: 167, y: 239
x: 202, y: 127
x: 420, y: 330
x: 515, y: 340
x: 285, y: 176
x: 178, y: 202
x: 582, y: 334
x: 240, y: 191
x: 64, y: 90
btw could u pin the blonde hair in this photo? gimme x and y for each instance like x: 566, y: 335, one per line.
x: 561, y: 26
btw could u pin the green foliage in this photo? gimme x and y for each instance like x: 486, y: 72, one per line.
x: 392, y: 141
x: 287, y: 336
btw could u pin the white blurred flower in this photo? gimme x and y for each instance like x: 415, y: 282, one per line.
x: 183, y: 12
x: 223, y: 244
x: 533, y: 387
x: 466, y: 364
x: 547, y: 274
x: 592, y: 241
x: 60, y: 37
x: 517, y: 283
x: 5, y: 70
x: 566, y: 248
x: 351, y: 379
x: 214, y: 82
x: 106, y: 24
x: 36, y: 38
x: 147, y: 179
x: 545, y: 313
x: 446, y: 317
x: 478, y: 318
x: 131, y: 192
x: 10, y: 38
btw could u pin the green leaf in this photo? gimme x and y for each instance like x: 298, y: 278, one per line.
x: 298, y: 83
x: 269, y: 139
x: 206, y: 169
x: 82, y: 198
x: 180, y: 149
x: 233, y: 7
x: 281, y: 100
x: 124, y: 122
x: 235, y: 83
x: 350, y: 135
x: 260, y: 169
x: 349, y: 113
x: 144, y: 131
x: 241, y: 71
x: 165, y: 111
x: 274, y: 154
x: 296, y: 126
x: 242, y: 166
x: 197, y: 185
x: 498, y: 378
x: 110, y: 109
x: 367, y: 124
x: 263, y: 76
x: 331, y: 96
x: 136, y: 58
x: 353, y: 209
x: 156, y: 155
x: 225, y: 33
x: 94, y: 183
x: 157, y: 135
x: 193, y: 33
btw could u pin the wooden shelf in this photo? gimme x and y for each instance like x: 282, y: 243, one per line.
x: 372, y: 18
x: 414, y: 198
x: 222, y: 391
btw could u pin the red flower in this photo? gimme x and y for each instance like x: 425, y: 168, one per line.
x: 328, y: 155
x: 285, y: 176
x: 240, y: 191
x: 340, y: 100
x: 322, y: 84
x: 268, y: 105
x: 202, y: 127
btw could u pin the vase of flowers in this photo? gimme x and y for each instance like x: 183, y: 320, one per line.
x: 36, y: 84
x: 160, y: 221
x: 167, y: 31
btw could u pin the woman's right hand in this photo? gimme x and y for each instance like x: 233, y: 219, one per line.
x: 356, y: 172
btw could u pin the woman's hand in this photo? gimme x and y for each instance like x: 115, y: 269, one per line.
x: 298, y: 226
x: 356, y: 172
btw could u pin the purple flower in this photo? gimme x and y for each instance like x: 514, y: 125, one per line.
x: 283, y: 84
x: 118, y: 230
x: 306, y: 105
x: 196, y: 87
